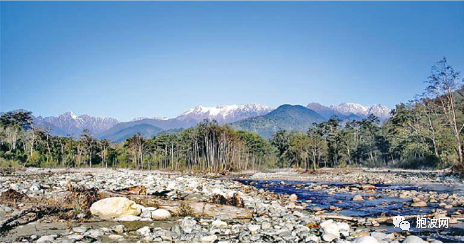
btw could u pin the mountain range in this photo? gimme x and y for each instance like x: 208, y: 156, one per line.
x: 73, y: 125
x: 252, y: 117
x: 351, y: 111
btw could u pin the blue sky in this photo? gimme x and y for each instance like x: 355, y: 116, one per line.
x: 125, y: 60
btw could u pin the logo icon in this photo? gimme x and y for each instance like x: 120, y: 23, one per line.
x: 397, y: 220
x: 404, y: 225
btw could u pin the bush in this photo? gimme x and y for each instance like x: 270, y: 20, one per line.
x: 430, y: 162
x: 5, y: 163
x: 35, y: 159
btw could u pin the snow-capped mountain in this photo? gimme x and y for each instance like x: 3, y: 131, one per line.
x: 225, y: 113
x: 351, y: 110
x: 72, y: 124
x: 380, y: 111
x: 143, y: 118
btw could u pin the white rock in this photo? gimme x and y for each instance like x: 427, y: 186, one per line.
x: 144, y: 231
x: 208, y: 239
x: 325, y: 223
x: 413, y: 239
x: 366, y: 239
x: 160, y: 214
x: 34, y: 188
x: 379, y: 236
x: 344, y: 228
x: 146, y: 213
x: 128, y: 218
x: 94, y: 233
x: 266, y: 225
x: 329, y: 237
x: 419, y: 204
x: 114, y: 207
x: 358, y: 198
x: 115, y: 237
x: 219, y: 224
x: 254, y: 228
x: 293, y: 197
x: 332, y: 229
x: 119, y: 229
x: 46, y: 239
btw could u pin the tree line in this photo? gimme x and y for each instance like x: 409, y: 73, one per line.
x: 424, y: 132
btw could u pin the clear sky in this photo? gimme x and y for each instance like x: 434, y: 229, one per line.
x: 133, y: 59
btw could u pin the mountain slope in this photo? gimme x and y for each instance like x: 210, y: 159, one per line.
x: 322, y: 110
x: 144, y: 129
x: 285, y: 117
x: 159, y: 123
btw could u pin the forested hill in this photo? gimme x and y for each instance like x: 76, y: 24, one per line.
x: 286, y: 117
x: 145, y: 130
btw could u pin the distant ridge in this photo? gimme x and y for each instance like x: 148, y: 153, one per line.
x: 251, y: 117
x: 351, y: 111
x: 222, y: 114
x: 285, y: 117
x: 144, y: 129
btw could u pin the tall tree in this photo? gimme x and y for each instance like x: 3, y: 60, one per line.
x: 443, y: 82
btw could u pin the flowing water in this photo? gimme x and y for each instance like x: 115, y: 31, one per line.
x: 382, y: 205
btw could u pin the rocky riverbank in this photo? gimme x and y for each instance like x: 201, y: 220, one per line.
x: 98, y: 205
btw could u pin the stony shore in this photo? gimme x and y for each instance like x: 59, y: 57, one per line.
x: 153, y: 206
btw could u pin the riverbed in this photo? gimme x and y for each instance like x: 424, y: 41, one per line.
x: 281, y: 206
x: 379, y: 199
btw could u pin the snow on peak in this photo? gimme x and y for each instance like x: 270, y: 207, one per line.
x: 142, y: 118
x: 380, y: 111
x: 70, y: 114
x: 73, y: 124
x: 225, y: 113
x: 138, y: 118
x: 351, y: 108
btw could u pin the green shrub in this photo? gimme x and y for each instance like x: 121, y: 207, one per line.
x: 5, y: 163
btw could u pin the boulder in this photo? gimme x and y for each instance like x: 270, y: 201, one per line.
x: 293, y: 198
x: 128, y: 218
x: 332, y: 230
x: 119, y: 229
x: 329, y: 237
x: 219, y: 224
x: 413, y: 239
x: 208, y: 239
x: 115, y: 237
x: 144, y: 231
x: 358, y: 198
x: 160, y: 214
x: 114, y: 207
x: 366, y: 239
x: 94, y: 233
x: 254, y: 228
x: 46, y: 239
x: 419, y: 204
x: 266, y: 225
